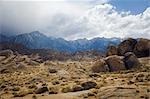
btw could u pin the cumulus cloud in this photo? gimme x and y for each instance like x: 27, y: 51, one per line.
x: 105, y: 21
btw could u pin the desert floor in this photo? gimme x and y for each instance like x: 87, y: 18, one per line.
x: 24, y: 78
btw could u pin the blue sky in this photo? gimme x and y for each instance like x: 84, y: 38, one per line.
x: 76, y: 19
x: 134, y: 6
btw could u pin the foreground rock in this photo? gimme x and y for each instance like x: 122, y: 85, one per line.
x: 131, y: 61
x: 115, y: 63
x: 112, y: 50
x: 76, y: 88
x: 41, y: 90
x: 100, y: 66
x: 126, y: 46
x: 114, y: 92
x: 142, y: 48
x: 88, y: 85
x: 51, y: 70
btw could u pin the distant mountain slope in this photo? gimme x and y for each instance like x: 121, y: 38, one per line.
x: 14, y: 47
x: 37, y: 40
x: 3, y: 38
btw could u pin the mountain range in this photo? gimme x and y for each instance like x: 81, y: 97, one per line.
x: 37, y: 40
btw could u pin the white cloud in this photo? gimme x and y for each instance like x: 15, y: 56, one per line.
x: 44, y: 15
x: 105, y: 21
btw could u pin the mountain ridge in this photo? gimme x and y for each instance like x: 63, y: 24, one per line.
x: 37, y: 40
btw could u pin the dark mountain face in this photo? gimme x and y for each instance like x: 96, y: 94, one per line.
x: 37, y: 40
x: 4, y: 38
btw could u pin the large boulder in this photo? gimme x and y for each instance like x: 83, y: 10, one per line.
x: 6, y: 53
x: 112, y: 50
x: 126, y: 46
x: 115, y: 63
x: 100, y: 66
x: 131, y: 61
x: 88, y: 85
x: 142, y: 48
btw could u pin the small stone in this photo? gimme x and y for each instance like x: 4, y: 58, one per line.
x: 16, y: 89
x: 41, y: 90
x: 52, y: 70
x: 53, y: 90
x: 66, y: 89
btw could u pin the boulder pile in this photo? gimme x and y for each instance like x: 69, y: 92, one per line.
x: 140, y: 47
x: 116, y: 63
x: 124, y: 56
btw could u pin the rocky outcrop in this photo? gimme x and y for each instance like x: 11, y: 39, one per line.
x: 131, y: 61
x: 6, y: 53
x: 142, y: 48
x: 123, y: 57
x: 126, y: 46
x: 100, y: 66
x: 115, y: 63
x: 112, y: 50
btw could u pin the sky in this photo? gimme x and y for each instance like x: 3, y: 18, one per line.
x: 76, y: 19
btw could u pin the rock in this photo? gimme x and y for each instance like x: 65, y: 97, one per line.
x: 100, y: 66
x: 55, y: 82
x: 20, y: 66
x: 66, y: 89
x: 115, y: 63
x: 41, y: 90
x: 53, y: 90
x: 33, y: 63
x: 112, y: 50
x: 131, y: 61
x: 126, y: 46
x: 16, y: 88
x: 20, y: 93
x: 6, y: 53
x: 77, y: 88
x: 94, y: 75
x: 4, y: 70
x: 142, y: 48
x: 52, y: 70
x: 88, y: 85
x: 34, y: 97
x: 115, y: 92
x: 32, y: 86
